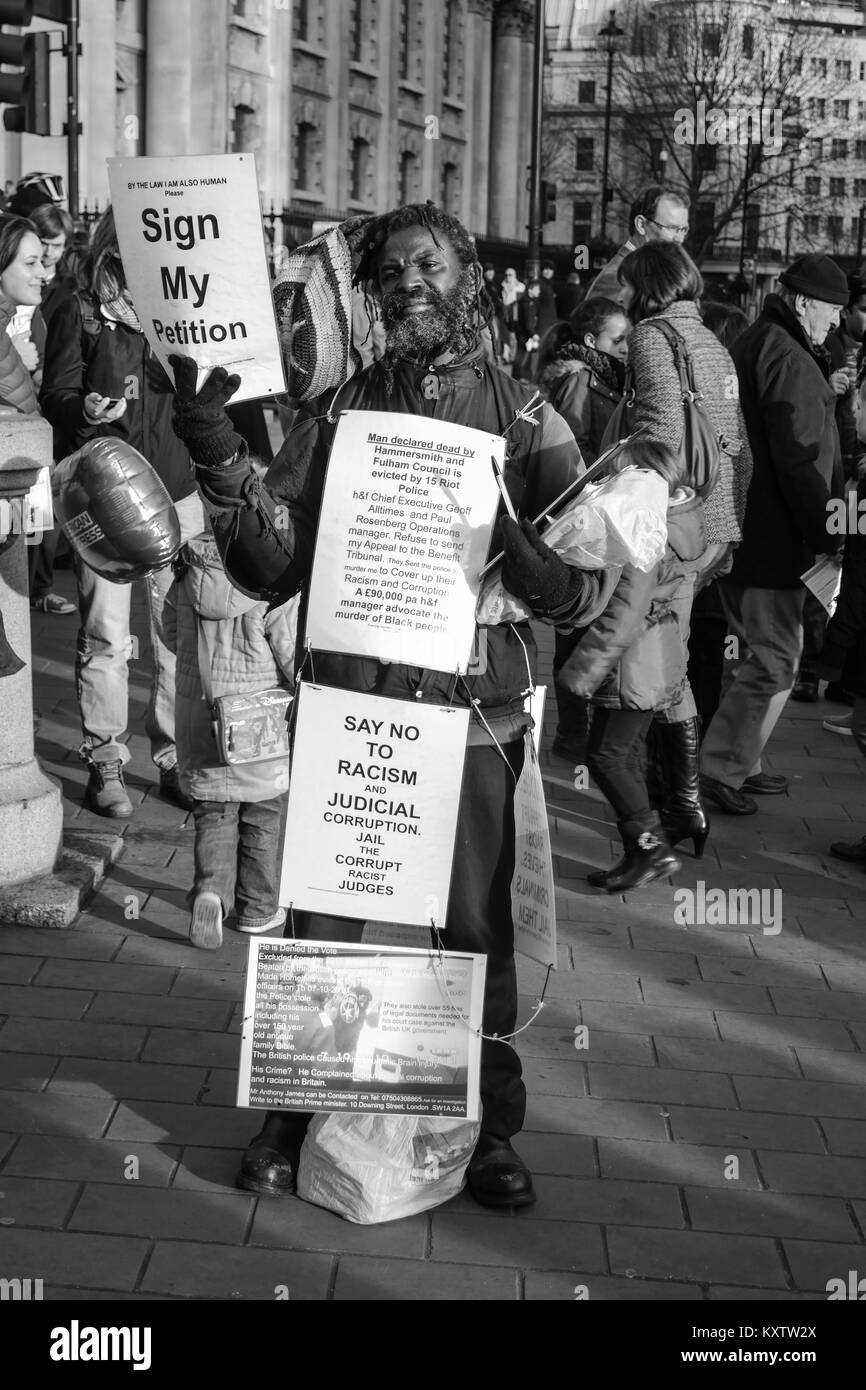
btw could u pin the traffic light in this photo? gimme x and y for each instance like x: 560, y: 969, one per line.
x: 548, y: 201
x: 25, y: 93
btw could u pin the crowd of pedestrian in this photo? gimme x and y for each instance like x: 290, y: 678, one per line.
x: 669, y: 678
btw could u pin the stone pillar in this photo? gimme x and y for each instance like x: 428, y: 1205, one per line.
x: 168, y: 102
x: 512, y: 20
x: 31, y: 810
x: 479, y: 58
x: 98, y: 98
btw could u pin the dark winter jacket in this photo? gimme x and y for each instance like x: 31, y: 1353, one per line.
x: 541, y: 460
x: 115, y: 361
x: 843, y: 658
x: 635, y: 655
x: 790, y: 411
x: 16, y: 388
x: 583, y: 397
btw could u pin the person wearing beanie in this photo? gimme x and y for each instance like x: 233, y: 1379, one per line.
x: 789, y: 407
x: 421, y: 266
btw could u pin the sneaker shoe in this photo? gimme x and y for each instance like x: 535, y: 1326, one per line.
x: 106, y: 791
x: 727, y: 798
x: 840, y: 724
x: 766, y: 783
x: 206, y: 923
x: 53, y: 603
x: 252, y: 925
x: 170, y: 788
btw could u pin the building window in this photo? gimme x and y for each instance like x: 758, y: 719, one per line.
x: 819, y: 67
x: 408, y: 167
x: 860, y: 149
x: 855, y: 228
x: 817, y: 108
x: 813, y: 187
x: 860, y: 188
x: 812, y: 225
x: 304, y: 137
x: 816, y: 150
x: 448, y: 187
x: 586, y: 93
x: 584, y: 153
x: 581, y: 223
x: 863, y: 72
x: 711, y: 40
x: 356, y: 31
x: 842, y: 69
x: 839, y: 149
x: 835, y: 228
x: 451, y: 47
x: 748, y: 41
x: 301, y: 26
x: 841, y: 110
x: 245, y: 130
x: 643, y: 41
x: 837, y: 188
x: 358, y: 169
x: 405, y: 21
x: 674, y: 41
x: 861, y: 111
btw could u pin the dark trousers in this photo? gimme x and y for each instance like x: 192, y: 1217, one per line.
x: 707, y: 633
x: 40, y: 559
x: 237, y: 854
x: 614, y: 754
x: 479, y: 920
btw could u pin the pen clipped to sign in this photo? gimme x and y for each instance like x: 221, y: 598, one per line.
x: 503, y: 490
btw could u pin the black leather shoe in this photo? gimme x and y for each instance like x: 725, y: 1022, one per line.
x: 766, y: 784
x: 727, y: 798
x: 266, y: 1171
x: 498, y: 1177
x: 805, y: 690
x: 853, y: 853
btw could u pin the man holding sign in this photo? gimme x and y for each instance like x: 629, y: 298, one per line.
x: 420, y: 265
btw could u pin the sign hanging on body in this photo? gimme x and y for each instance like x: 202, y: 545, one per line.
x: 192, y: 244
x: 407, y: 515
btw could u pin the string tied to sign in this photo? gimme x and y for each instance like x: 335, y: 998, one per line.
x: 437, y: 958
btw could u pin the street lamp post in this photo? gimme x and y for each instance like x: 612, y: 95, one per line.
x: 610, y: 33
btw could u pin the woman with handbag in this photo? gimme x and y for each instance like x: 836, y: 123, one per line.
x: 682, y: 392
x: 632, y: 662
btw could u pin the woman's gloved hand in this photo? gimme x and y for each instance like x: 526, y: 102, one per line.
x: 199, y: 418
x: 533, y: 572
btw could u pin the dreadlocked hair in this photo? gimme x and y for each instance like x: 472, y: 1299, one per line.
x: 434, y: 220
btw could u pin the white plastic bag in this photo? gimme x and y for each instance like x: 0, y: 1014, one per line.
x: 371, y: 1168
x: 620, y: 521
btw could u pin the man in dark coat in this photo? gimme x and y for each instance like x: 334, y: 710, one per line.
x: 422, y: 266
x: 789, y: 408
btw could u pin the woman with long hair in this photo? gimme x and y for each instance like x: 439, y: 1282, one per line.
x: 21, y: 279
x: 663, y: 287
x: 101, y: 380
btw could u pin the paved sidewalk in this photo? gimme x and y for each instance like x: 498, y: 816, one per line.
x: 706, y: 1143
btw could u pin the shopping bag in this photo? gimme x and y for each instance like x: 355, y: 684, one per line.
x: 372, y: 1168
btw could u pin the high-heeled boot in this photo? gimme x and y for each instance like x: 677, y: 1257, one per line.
x: 682, y: 816
x: 648, y: 856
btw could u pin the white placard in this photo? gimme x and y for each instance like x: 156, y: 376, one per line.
x: 534, y: 704
x: 39, y: 507
x: 824, y: 580
x: 192, y: 243
x: 533, y: 893
x: 374, y: 796
x: 404, y: 531
x: 329, y: 1026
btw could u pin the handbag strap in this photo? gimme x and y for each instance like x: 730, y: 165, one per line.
x: 682, y: 359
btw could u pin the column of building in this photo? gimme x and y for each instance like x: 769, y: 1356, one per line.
x: 479, y: 59
x: 168, y: 108
x: 512, y: 23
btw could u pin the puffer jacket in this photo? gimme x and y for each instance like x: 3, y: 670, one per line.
x: 248, y: 649
x: 635, y: 655
x: 658, y: 405
x: 541, y: 460
x: 16, y: 386
x: 583, y: 399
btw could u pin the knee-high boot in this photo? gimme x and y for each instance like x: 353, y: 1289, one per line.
x: 682, y: 816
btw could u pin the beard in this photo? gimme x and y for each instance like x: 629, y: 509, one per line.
x: 447, y: 325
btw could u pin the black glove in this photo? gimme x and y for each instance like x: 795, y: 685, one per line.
x: 533, y: 572
x: 200, y: 420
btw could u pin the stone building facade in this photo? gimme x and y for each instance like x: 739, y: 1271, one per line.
x: 349, y: 105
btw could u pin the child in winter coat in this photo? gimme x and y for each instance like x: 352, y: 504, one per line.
x: 229, y: 644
